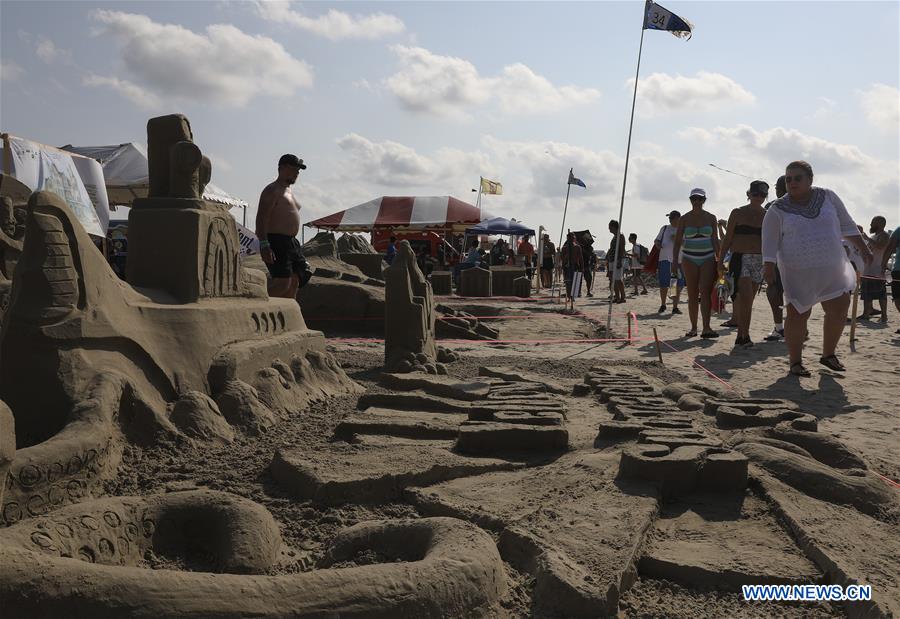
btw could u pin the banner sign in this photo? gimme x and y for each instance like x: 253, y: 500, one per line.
x: 44, y: 168
x: 249, y: 242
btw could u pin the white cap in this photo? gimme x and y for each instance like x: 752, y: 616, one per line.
x: 696, y: 191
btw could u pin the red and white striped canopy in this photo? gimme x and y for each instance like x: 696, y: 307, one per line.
x: 416, y: 212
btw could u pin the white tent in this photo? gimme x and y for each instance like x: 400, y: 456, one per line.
x: 127, y: 174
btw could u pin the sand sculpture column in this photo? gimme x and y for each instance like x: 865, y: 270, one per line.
x: 177, y: 241
x: 409, y: 314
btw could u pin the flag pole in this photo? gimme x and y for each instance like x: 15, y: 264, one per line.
x: 561, y: 228
x: 625, y: 178
x: 478, y: 201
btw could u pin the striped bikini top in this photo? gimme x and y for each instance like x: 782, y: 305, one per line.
x: 698, y: 241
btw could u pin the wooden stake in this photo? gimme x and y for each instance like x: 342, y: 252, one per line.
x: 658, y: 349
x: 629, y: 327
x: 853, y: 315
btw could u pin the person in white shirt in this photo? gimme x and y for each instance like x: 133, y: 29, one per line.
x: 665, y: 241
x: 637, y: 264
x: 802, y: 233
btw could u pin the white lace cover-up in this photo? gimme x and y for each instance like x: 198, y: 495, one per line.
x: 805, y: 242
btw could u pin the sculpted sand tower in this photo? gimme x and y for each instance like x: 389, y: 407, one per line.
x: 409, y: 315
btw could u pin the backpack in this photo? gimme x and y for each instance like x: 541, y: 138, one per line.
x: 643, y: 254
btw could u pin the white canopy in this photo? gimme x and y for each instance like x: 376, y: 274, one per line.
x: 127, y: 174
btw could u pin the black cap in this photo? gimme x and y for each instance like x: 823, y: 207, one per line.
x: 674, y: 214
x: 760, y: 186
x: 291, y: 160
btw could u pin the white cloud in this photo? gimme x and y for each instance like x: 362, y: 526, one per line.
x: 780, y: 146
x: 448, y: 86
x: 386, y: 163
x: 223, y: 65
x: 661, y: 93
x: 881, y: 106
x: 521, y: 91
x: 334, y: 24
x: 825, y: 109
x: 10, y: 71
x: 437, y: 84
x: 129, y: 90
x: 47, y: 51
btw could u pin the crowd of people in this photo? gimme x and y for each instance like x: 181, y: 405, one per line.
x: 798, y: 244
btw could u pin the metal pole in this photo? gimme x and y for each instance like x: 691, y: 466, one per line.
x: 625, y: 178
x: 562, y: 227
x: 478, y: 201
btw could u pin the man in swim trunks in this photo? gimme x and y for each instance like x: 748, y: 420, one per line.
x: 277, y: 225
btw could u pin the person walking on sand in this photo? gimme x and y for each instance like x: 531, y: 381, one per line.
x: 698, y: 236
x: 571, y: 261
x: 548, y: 262
x: 615, y: 260
x: 638, y: 259
x: 668, y: 264
x: 893, y: 247
x: 802, y: 234
x: 775, y: 291
x: 743, y: 237
x: 872, y: 285
x: 277, y: 225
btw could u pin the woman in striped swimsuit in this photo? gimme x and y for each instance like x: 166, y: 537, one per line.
x: 698, y: 238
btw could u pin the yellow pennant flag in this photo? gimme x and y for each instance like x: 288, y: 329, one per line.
x: 491, y: 187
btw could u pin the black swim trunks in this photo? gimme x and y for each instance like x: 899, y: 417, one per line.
x: 288, y: 257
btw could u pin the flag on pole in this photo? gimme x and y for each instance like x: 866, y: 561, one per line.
x: 575, y: 181
x: 658, y: 18
x: 491, y: 187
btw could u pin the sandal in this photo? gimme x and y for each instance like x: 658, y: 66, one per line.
x: 831, y: 362
x: 691, y: 333
x: 709, y: 334
x: 797, y: 369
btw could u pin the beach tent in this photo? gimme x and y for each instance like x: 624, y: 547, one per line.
x: 29, y: 166
x: 127, y: 174
x: 501, y: 226
x: 403, y: 213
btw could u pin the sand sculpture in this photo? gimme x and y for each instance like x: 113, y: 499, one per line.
x: 87, y: 360
x: 354, y: 249
x: 82, y: 561
x: 409, y: 316
x: 475, y: 282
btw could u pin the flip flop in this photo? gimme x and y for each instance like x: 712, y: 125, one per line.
x: 709, y: 335
x: 831, y: 362
x: 797, y: 369
x: 691, y: 333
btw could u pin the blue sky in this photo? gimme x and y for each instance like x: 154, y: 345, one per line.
x: 421, y: 98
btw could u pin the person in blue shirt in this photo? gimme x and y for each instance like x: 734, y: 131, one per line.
x: 391, y: 250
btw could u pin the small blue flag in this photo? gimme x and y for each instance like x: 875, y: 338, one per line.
x: 575, y: 181
x: 658, y: 18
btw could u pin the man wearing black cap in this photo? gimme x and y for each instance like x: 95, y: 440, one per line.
x: 277, y: 226
x: 668, y: 263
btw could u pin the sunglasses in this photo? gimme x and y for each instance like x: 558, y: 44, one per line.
x: 794, y: 179
x: 758, y: 194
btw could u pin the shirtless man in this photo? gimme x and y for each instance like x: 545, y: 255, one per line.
x: 743, y: 237
x: 277, y: 225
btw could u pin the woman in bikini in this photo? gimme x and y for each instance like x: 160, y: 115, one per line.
x: 743, y: 237
x: 698, y: 237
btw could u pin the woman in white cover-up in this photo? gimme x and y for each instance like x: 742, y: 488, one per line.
x: 802, y: 233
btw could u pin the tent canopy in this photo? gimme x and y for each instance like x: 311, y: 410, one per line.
x: 128, y: 177
x: 501, y: 226
x: 410, y: 212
